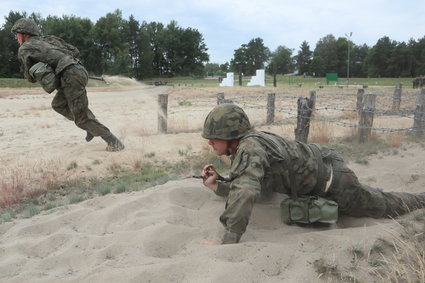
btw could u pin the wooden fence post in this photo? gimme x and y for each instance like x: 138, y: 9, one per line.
x: 162, y: 113
x: 359, y: 104
x: 418, y: 120
x: 220, y: 97
x: 366, y: 117
x: 313, y: 100
x: 303, y: 119
x: 270, y: 108
x: 397, y: 97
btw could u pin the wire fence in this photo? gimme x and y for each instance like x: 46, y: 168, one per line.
x: 337, y: 106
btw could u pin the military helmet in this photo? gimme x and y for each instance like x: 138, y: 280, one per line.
x: 25, y: 26
x: 226, y: 122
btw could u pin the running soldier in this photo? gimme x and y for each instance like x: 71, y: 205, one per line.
x: 55, y: 64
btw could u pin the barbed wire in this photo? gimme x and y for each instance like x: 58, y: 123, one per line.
x: 252, y: 99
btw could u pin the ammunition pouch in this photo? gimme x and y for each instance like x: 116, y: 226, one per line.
x: 308, y: 209
x: 45, y: 75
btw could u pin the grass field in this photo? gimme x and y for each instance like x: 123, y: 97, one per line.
x: 294, y: 81
x: 23, y: 83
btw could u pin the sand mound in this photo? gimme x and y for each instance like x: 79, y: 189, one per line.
x: 155, y: 235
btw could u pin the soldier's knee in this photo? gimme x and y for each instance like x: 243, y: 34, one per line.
x: 80, y: 121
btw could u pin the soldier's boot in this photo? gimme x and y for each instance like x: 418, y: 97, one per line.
x: 114, y: 144
x: 89, y: 137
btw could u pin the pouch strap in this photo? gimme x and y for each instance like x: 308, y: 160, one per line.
x: 320, y: 174
x: 292, y: 184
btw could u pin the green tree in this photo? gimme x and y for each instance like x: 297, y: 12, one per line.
x: 184, y: 49
x: 327, y: 49
x: 141, y: 54
x: 111, y: 33
x: 9, y: 64
x: 304, y: 58
x: 281, y: 61
x: 154, y: 31
x: 342, y: 56
x: 212, y: 69
x: 357, y: 60
x: 225, y: 67
x: 250, y: 57
x: 76, y: 31
x: 378, y: 58
x: 399, y: 63
x: 318, y: 66
x: 417, y: 59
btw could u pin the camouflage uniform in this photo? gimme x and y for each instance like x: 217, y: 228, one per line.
x: 71, y: 98
x: 262, y: 165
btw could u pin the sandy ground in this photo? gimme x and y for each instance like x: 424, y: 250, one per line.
x: 155, y: 235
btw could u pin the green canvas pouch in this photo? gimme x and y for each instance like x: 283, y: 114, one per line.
x: 308, y: 209
x: 45, y: 75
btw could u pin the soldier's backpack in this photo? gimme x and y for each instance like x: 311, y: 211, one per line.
x: 62, y: 45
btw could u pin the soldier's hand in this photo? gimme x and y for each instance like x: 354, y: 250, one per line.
x: 210, y: 177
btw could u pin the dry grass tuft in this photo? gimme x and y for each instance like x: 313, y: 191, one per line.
x: 12, y: 189
x: 142, y: 132
x: 396, y: 139
x: 137, y: 164
x: 178, y: 125
x: 321, y: 132
x: 406, y: 261
x: 27, y: 181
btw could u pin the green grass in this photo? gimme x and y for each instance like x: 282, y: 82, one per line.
x: 120, y: 188
x: 150, y: 174
x: 292, y: 81
x: 75, y: 198
x: 77, y: 190
x: 30, y: 211
x: 23, y: 83
x: 104, y: 189
x: 6, y: 216
x: 16, y: 83
x: 72, y: 165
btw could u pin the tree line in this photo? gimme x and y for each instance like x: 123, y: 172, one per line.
x: 117, y: 46
x: 387, y: 58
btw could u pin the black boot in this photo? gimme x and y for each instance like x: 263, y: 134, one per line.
x: 89, y: 137
x: 114, y: 144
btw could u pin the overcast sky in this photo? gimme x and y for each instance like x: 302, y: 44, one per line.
x: 227, y: 24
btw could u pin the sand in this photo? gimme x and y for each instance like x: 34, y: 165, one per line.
x: 155, y: 235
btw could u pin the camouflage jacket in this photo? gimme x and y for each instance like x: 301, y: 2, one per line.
x: 41, y: 49
x: 260, y: 166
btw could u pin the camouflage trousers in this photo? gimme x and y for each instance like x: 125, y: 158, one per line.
x: 356, y: 199
x: 71, y: 101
